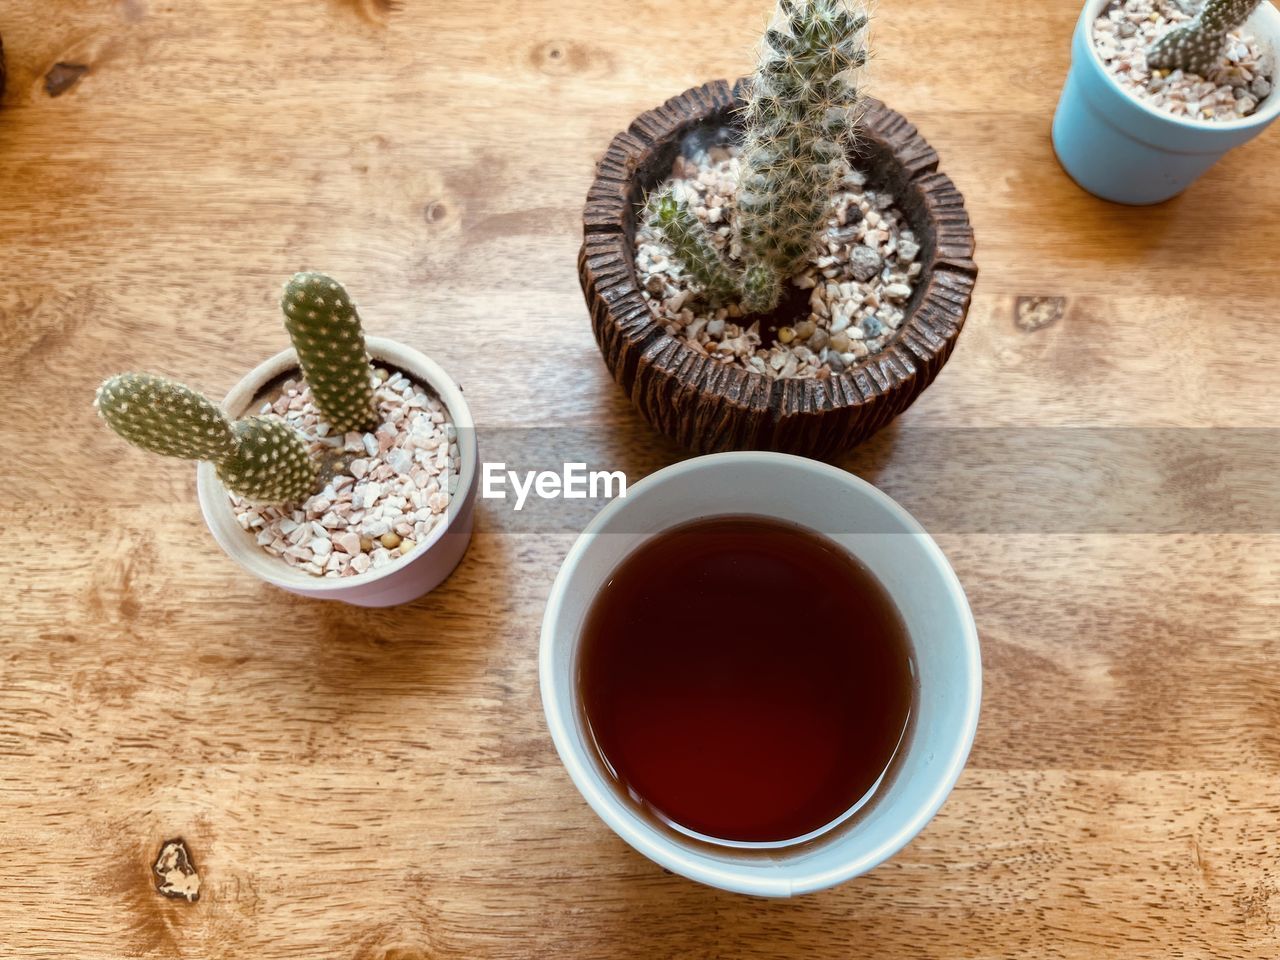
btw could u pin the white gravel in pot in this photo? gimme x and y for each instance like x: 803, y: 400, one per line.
x: 1126, y: 28
x: 395, y: 490
x: 860, y: 280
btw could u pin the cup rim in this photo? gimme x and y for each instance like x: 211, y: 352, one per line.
x: 766, y: 878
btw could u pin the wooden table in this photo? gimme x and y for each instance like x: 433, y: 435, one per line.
x: 380, y: 784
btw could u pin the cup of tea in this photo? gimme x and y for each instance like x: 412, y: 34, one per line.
x: 760, y: 672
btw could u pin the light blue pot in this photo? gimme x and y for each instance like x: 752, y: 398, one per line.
x: 1121, y: 149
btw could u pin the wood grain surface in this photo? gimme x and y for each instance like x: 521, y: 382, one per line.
x: 379, y: 785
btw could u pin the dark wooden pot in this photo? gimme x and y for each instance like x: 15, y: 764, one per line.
x: 708, y: 406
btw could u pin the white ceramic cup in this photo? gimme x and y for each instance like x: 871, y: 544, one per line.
x: 903, y: 558
x: 405, y: 579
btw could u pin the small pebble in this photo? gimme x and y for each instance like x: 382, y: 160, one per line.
x: 864, y: 263
x: 349, y: 542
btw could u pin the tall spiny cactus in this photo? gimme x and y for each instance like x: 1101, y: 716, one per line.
x: 325, y: 330
x: 256, y: 458
x: 800, y: 120
x: 1197, y: 47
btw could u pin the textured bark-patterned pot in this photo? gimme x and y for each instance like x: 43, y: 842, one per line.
x: 708, y: 406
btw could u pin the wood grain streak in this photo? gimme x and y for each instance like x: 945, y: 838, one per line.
x: 379, y: 784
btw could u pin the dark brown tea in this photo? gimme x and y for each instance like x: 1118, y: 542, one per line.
x: 745, y: 679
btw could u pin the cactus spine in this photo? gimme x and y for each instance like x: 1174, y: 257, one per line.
x: 799, y: 122
x: 1197, y: 47
x: 325, y: 330
x: 256, y: 458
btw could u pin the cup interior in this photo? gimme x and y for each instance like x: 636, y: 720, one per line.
x: 897, y: 551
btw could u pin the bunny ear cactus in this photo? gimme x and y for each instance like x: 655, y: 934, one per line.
x: 325, y: 330
x: 256, y: 458
x: 165, y: 417
x: 270, y: 463
x: 1197, y: 47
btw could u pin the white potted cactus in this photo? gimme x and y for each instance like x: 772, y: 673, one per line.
x: 1160, y: 90
x: 354, y: 481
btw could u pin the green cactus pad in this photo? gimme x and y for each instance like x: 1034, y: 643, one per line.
x: 270, y: 462
x: 325, y: 330
x: 165, y: 417
x: 692, y: 247
x: 1197, y: 47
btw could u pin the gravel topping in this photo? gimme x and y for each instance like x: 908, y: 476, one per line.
x: 393, y: 492
x: 1126, y: 28
x: 860, y: 280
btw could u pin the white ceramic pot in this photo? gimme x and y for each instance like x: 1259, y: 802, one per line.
x: 1120, y: 148
x: 901, y: 555
x: 407, y: 578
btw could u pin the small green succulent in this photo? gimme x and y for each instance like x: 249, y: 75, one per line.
x: 325, y: 330
x: 261, y: 458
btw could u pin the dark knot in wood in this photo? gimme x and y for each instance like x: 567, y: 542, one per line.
x: 175, y: 870
x: 62, y: 77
